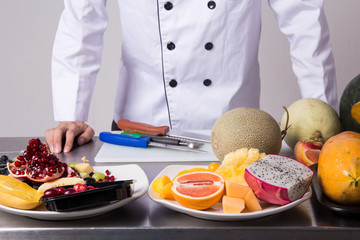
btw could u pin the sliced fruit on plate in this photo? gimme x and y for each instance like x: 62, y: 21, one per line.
x: 232, y: 205
x: 159, y: 183
x: 198, y: 190
x: 233, y: 167
x: 17, y: 194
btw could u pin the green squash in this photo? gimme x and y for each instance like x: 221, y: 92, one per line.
x: 348, y: 111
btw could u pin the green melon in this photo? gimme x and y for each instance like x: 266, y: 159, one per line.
x: 245, y: 128
x: 350, y: 106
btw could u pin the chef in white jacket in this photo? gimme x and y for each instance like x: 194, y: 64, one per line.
x: 183, y: 62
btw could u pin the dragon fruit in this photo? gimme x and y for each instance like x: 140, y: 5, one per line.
x: 277, y: 179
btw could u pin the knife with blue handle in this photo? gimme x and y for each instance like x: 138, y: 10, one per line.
x: 143, y: 142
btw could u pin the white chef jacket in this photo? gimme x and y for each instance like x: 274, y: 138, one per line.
x: 185, y: 62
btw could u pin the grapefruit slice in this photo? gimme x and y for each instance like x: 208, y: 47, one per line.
x: 311, y: 156
x: 198, y: 190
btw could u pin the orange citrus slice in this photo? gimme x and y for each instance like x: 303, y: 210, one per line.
x: 166, y: 192
x: 159, y: 183
x: 198, y: 190
x: 17, y: 194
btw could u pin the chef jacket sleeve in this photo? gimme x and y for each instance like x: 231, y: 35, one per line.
x: 76, y: 57
x: 305, y: 25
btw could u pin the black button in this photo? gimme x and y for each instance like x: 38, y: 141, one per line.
x: 171, y: 46
x: 168, y: 6
x: 173, y: 83
x: 207, y: 82
x: 209, y: 46
x: 211, y: 4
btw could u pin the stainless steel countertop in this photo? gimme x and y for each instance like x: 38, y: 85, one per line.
x: 145, y: 219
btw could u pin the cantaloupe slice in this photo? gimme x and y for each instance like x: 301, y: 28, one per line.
x: 236, y: 190
x: 232, y: 205
x: 251, y: 202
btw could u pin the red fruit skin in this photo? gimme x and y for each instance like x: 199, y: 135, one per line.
x: 305, y: 145
x: 80, y: 187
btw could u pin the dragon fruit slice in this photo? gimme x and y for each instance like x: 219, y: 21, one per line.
x: 278, y: 179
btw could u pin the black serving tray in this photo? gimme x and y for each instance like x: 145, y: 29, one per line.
x: 105, y: 192
x: 328, y: 203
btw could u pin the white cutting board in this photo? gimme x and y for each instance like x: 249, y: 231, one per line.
x: 116, y: 153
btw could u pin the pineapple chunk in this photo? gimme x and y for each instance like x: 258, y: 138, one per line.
x: 233, y: 166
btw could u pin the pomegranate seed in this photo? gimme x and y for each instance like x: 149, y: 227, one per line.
x: 112, y: 178
x: 107, y: 172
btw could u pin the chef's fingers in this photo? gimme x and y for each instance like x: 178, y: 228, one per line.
x: 59, y: 133
x: 73, y: 129
x: 86, y: 136
x: 49, y: 136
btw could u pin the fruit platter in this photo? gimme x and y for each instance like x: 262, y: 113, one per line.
x: 246, y: 185
x: 216, y: 211
x: 36, y: 184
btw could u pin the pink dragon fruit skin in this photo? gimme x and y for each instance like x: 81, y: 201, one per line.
x: 278, y: 180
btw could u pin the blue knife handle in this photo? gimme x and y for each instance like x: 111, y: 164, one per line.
x: 124, y: 140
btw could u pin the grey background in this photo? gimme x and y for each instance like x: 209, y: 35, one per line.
x: 27, y: 30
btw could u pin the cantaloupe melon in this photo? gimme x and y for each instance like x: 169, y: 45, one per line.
x: 236, y: 190
x: 232, y: 205
x: 245, y: 128
x: 251, y: 202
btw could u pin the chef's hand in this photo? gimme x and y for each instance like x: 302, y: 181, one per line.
x: 71, y: 131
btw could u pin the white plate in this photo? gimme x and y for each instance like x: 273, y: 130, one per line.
x: 121, y: 172
x: 216, y: 212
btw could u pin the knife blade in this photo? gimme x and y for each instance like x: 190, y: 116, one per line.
x: 143, y: 142
x: 147, y: 129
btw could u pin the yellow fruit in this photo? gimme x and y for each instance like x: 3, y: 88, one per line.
x: 84, y: 168
x: 198, y: 190
x: 213, y: 166
x: 17, y: 194
x: 159, y: 183
x: 233, y: 167
x: 245, y: 128
x: 166, y: 192
x: 339, y: 168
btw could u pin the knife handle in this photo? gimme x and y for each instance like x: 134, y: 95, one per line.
x: 142, y: 128
x: 124, y: 140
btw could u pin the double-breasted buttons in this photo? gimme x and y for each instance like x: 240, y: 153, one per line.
x: 209, y: 46
x: 211, y: 4
x: 173, y: 83
x: 207, y: 82
x: 170, y: 46
x: 168, y: 6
